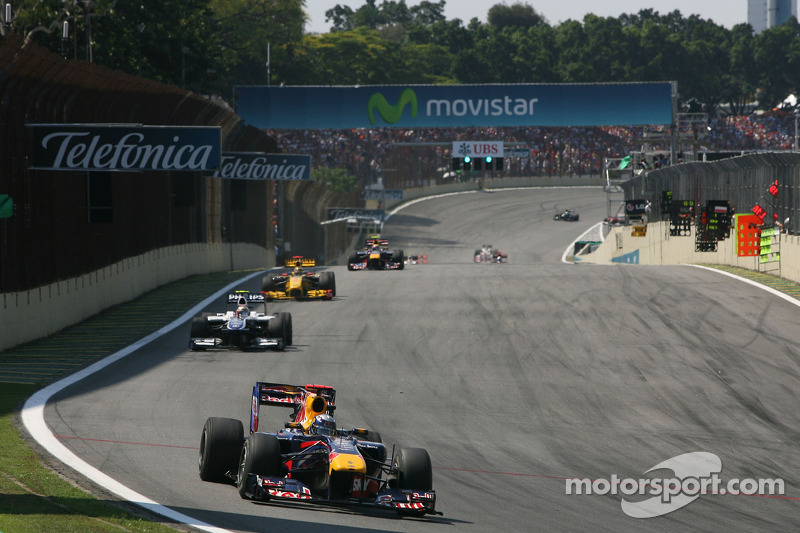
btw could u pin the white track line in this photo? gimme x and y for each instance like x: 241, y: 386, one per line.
x: 33, y: 419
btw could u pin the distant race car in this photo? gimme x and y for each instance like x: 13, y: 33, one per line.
x: 299, y: 284
x: 244, y: 325
x: 487, y: 254
x: 416, y: 259
x: 569, y: 215
x: 311, y: 460
x: 376, y: 256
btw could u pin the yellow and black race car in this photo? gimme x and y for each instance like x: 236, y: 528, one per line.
x: 299, y: 284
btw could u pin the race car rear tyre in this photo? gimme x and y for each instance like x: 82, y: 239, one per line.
x: 372, y: 436
x: 287, y: 323
x: 261, y: 454
x: 400, y: 258
x: 276, y: 328
x: 327, y: 281
x: 220, y: 446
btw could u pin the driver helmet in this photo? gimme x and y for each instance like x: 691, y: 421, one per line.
x: 323, y: 425
x: 242, y: 310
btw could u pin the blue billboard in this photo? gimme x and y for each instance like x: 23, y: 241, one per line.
x: 444, y: 106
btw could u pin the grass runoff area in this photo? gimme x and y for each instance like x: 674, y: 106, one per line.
x: 34, y: 497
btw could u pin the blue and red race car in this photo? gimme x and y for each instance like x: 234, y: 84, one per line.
x: 376, y: 255
x: 311, y: 460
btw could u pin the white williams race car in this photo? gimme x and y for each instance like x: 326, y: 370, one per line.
x: 242, y: 326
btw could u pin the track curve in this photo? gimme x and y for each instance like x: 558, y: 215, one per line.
x: 513, y: 377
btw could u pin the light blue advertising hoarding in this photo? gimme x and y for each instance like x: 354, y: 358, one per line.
x: 443, y: 106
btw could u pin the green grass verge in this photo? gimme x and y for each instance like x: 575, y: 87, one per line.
x: 33, y: 497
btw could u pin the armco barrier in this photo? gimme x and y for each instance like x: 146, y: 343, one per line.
x: 35, y: 313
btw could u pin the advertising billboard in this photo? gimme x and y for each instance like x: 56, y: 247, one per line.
x: 437, y: 106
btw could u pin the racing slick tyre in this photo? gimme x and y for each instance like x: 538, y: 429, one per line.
x: 268, y: 284
x: 372, y: 436
x: 220, y: 446
x: 400, y: 258
x: 352, y: 260
x: 276, y: 328
x: 287, y: 323
x: 261, y: 454
x: 199, y: 330
x: 327, y: 281
x: 414, y: 471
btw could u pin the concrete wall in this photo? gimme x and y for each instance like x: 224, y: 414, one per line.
x: 658, y: 248
x: 497, y: 183
x: 29, y: 315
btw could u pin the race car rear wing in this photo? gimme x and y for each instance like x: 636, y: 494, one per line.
x: 306, y: 401
x: 251, y: 297
x: 371, y: 242
x: 300, y: 261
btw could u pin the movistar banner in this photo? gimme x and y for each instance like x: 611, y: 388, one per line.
x: 110, y: 147
x: 434, y: 106
x: 261, y: 166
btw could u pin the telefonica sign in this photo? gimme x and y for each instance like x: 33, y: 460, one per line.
x: 590, y: 104
x: 113, y: 147
x: 260, y: 166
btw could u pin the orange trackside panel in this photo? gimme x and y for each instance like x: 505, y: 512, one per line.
x: 748, y: 235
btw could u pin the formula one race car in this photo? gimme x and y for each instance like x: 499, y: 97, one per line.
x: 487, y: 254
x: 242, y: 328
x: 376, y: 256
x: 313, y: 461
x: 568, y: 214
x: 299, y: 284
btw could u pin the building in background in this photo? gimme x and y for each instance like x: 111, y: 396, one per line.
x: 764, y: 14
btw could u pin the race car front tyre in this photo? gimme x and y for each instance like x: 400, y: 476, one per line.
x: 287, y: 323
x: 220, y: 446
x: 414, y: 471
x: 261, y: 455
x: 400, y: 258
x: 268, y: 284
x: 199, y: 329
x: 276, y: 327
x: 327, y: 281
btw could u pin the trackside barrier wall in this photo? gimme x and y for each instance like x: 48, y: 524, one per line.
x: 36, y: 313
x: 657, y: 247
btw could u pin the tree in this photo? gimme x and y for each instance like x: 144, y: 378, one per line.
x: 517, y: 15
x: 335, y: 179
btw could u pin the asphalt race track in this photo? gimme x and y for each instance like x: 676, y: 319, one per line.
x: 514, y: 377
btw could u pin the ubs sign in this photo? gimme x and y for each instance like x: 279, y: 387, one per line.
x: 477, y: 149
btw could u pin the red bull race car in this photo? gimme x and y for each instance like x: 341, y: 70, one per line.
x: 245, y: 325
x: 376, y: 256
x: 311, y: 460
x: 299, y: 284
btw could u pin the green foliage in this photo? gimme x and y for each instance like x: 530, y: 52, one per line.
x: 211, y: 45
x: 335, y: 179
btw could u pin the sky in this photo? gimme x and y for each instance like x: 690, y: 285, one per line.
x: 727, y: 13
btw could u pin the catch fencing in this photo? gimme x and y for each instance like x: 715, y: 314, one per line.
x: 744, y: 181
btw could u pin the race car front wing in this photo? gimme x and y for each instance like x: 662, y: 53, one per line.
x: 255, y: 343
x: 400, y: 500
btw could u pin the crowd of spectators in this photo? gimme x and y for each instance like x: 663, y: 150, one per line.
x: 400, y: 157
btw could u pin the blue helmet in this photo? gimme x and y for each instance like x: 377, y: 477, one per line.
x: 323, y: 425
